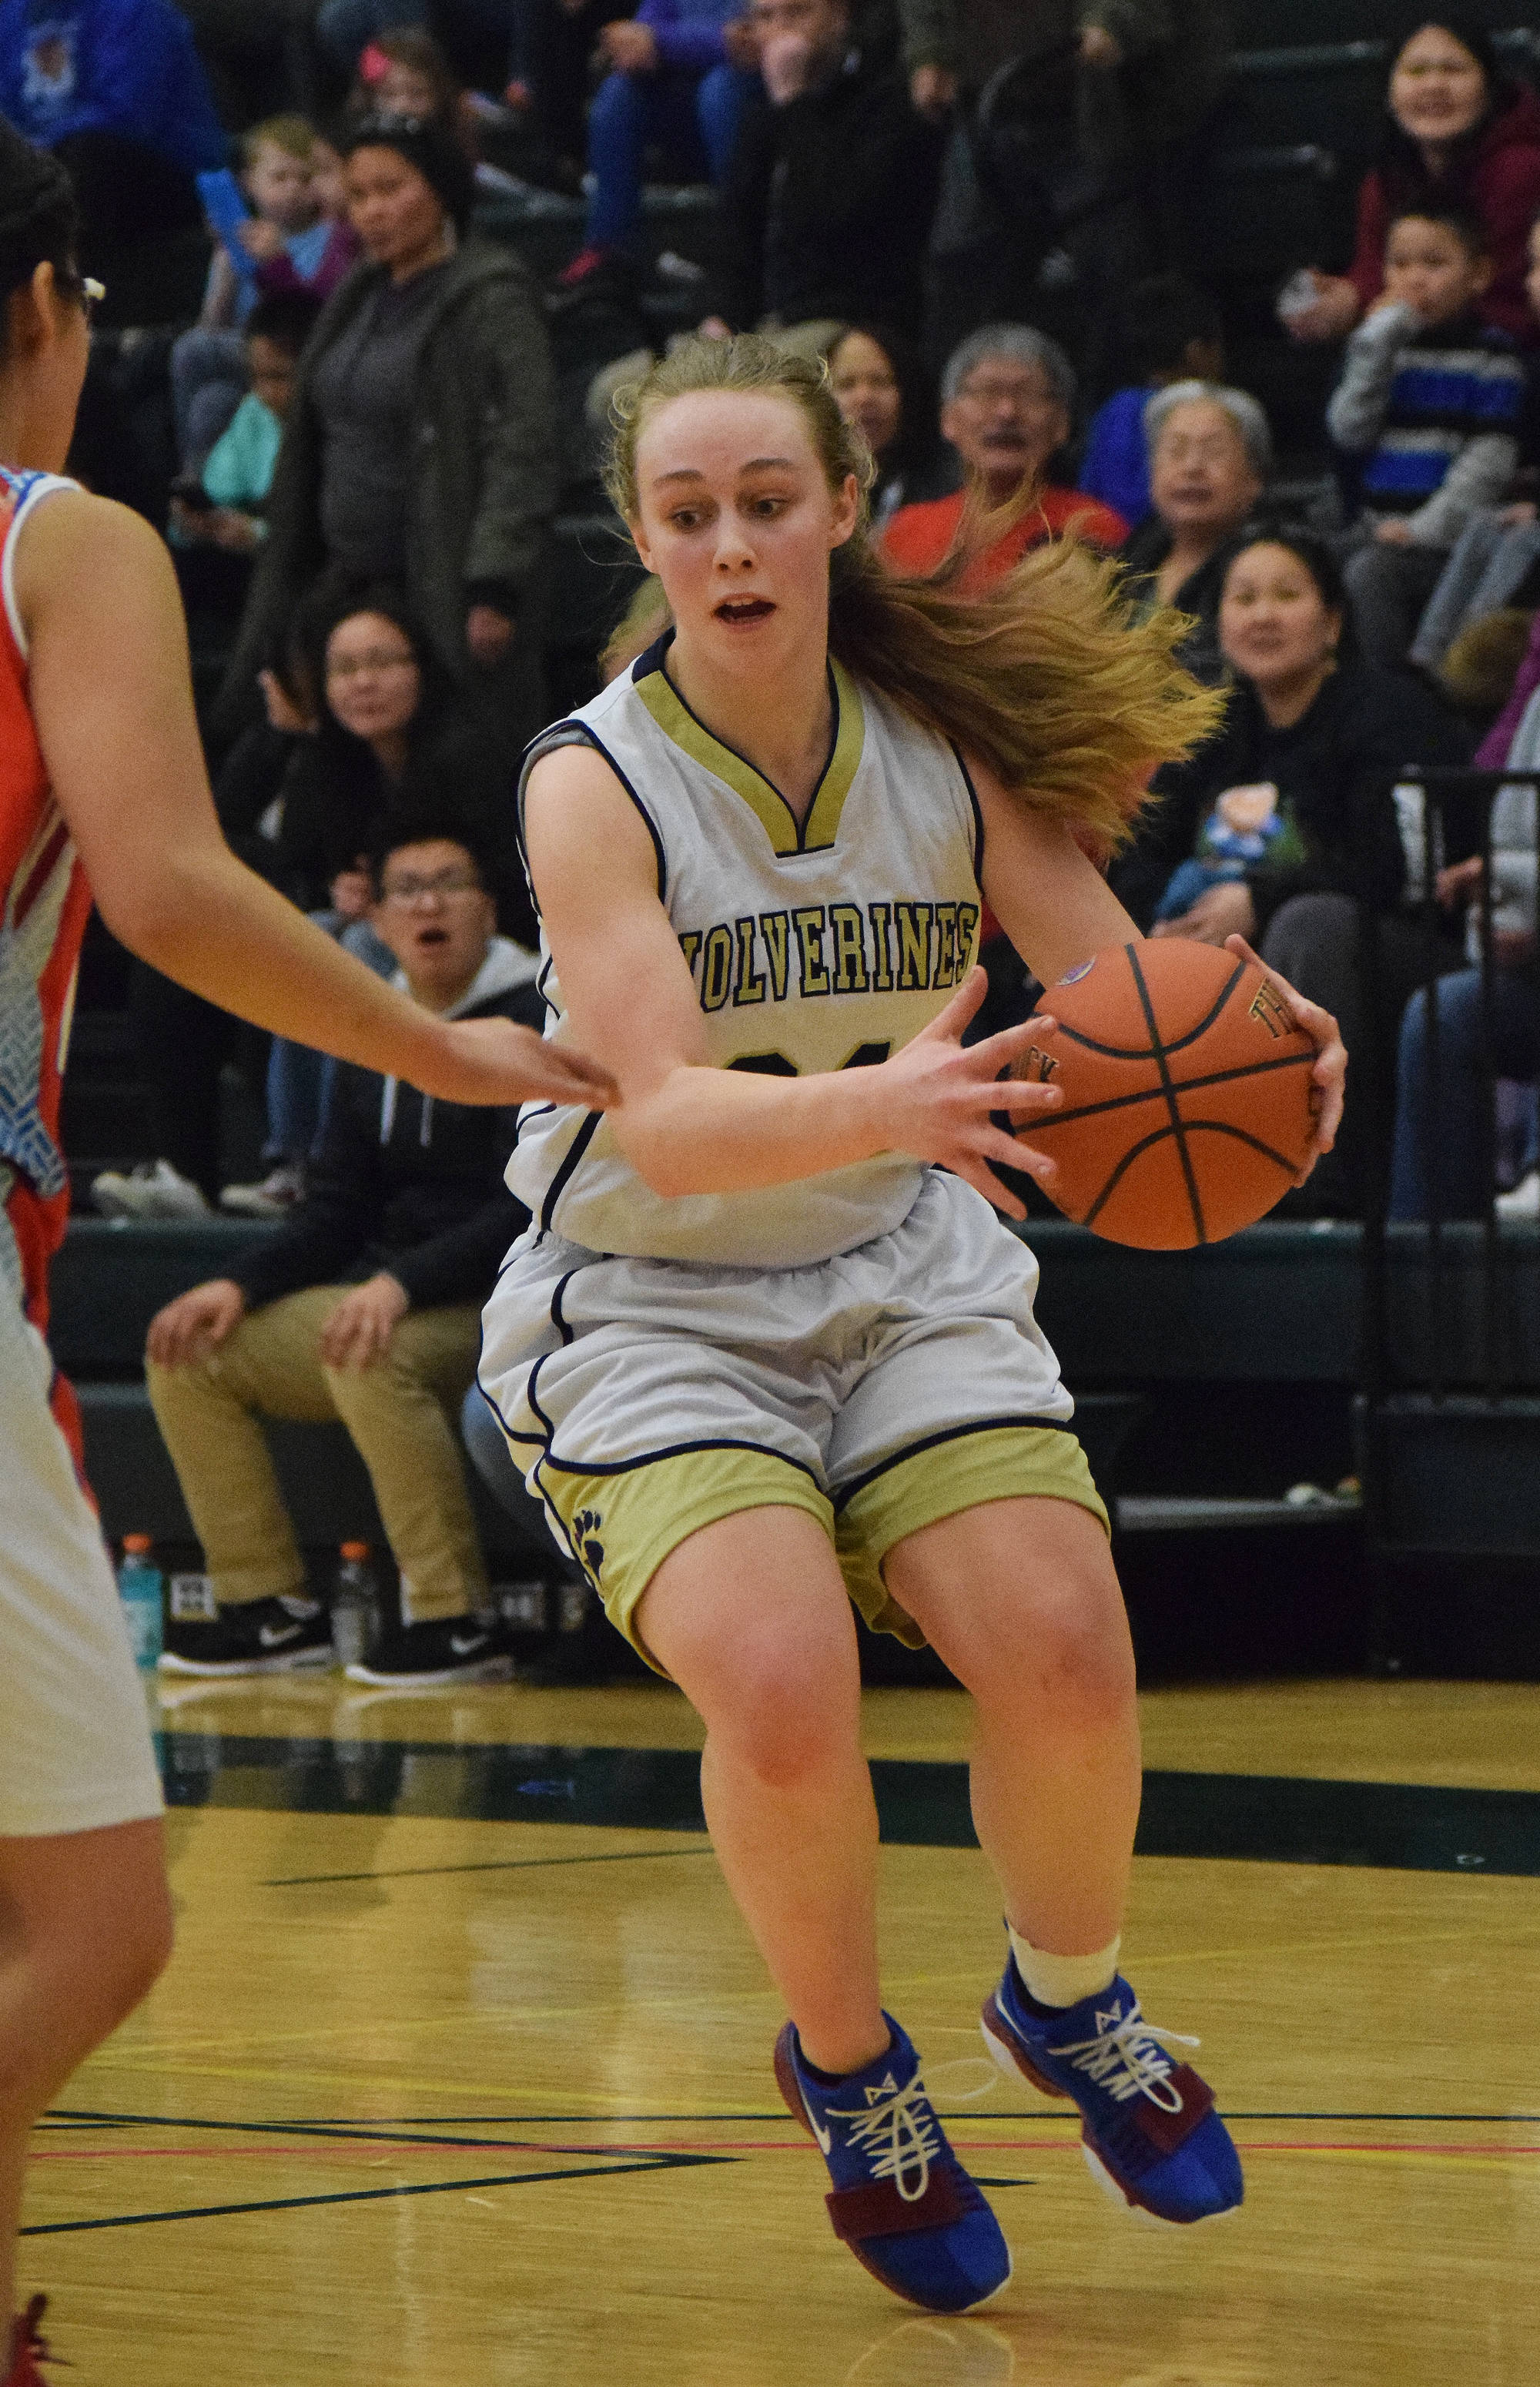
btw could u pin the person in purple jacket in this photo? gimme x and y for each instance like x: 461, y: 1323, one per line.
x: 681, y: 72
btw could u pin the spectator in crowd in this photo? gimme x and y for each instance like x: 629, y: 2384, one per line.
x: 1431, y: 401
x: 1169, y: 331
x: 219, y: 516
x: 114, y: 88
x: 390, y: 744
x: 209, y: 363
x: 1302, y: 769
x: 421, y: 446
x: 347, y: 27
x: 181, y: 1043
x: 1007, y: 406
x: 238, y: 478
x: 1211, y: 458
x: 365, y: 1304
x: 553, y: 43
x: 681, y: 75
x: 833, y: 184
x: 1144, y: 90
x: 1496, y: 561
x: 258, y: 54
x: 880, y: 384
x: 1459, y: 133
x: 1447, y: 1146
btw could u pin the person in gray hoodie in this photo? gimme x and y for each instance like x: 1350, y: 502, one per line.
x: 364, y: 1305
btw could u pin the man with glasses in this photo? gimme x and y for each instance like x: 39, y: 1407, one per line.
x: 1007, y: 407
x: 364, y: 1305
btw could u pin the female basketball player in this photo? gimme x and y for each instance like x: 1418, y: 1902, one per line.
x: 99, y: 757
x: 754, y: 1352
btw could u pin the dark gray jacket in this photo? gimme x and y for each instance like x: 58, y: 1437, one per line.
x: 482, y: 487
x: 1176, y: 56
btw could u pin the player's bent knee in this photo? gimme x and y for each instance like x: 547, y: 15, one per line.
x: 785, y: 1722
x: 1085, y: 1667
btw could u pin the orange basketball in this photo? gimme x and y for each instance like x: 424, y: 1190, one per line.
x: 1186, y: 1089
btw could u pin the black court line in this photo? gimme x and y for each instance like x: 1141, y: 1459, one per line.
x: 1269, y: 1819
x: 493, y: 1865
x: 662, y: 2162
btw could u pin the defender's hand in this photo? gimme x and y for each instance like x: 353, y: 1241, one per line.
x: 494, y: 1061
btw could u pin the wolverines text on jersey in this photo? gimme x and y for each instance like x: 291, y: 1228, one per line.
x: 818, y: 948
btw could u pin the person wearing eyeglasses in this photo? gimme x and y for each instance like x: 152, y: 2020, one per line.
x: 1007, y: 408
x: 364, y: 1305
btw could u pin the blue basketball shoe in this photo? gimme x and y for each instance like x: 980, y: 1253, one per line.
x: 1149, y: 2131
x: 901, y: 2200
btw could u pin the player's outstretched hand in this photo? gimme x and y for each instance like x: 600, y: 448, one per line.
x: 1329, y: 1077
x: 497, y: 1062
x: 941, y: 1094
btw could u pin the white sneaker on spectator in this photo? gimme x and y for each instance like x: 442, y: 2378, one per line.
x: 1524, y: 1200
x: 151, y: 1189
x: 273, y: 1198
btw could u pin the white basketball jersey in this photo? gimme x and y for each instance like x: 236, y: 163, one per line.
x: 812, y: 949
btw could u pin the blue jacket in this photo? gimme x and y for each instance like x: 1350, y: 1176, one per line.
x: 1117, y: 467
x: 127, y: 67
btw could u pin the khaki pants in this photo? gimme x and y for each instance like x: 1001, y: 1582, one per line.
x: 400, y: 1413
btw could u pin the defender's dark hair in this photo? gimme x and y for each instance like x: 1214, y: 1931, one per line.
x: 39, y: 220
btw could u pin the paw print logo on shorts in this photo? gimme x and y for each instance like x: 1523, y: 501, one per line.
x: 590, y: 1551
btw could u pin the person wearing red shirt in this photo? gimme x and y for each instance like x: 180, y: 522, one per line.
x: 1007, y: 401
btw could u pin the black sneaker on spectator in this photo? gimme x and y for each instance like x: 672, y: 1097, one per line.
x: 151, y: 1189
x: 273, y: 1197
x: 439, y: 1652
x: 267, y: 1636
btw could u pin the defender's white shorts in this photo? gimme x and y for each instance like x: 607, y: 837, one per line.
x: 879, y: 1390
x: 75, y: 1749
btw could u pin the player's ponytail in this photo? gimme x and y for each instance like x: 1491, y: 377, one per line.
x: 39, y: 220
x: 1051, y: 677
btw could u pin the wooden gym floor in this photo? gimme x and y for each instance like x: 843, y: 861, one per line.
x: 461, y: 2076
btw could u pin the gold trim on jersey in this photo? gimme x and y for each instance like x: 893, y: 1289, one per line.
x: 764, y: 799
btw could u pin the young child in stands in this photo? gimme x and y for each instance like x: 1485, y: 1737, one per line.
x: 288, y: 245
x: 226, y: 507
x: 1428, y: 408
x: 1171, y: 332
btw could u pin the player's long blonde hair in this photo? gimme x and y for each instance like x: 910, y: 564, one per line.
x: 1051, y: 676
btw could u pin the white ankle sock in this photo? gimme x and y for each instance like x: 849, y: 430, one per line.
x: 1063, y: 1980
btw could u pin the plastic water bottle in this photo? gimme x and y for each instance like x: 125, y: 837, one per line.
x: 355, y: 1606
x: 140, y: 1586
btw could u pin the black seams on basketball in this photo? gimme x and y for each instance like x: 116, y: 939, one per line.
x: 1186, y: 1107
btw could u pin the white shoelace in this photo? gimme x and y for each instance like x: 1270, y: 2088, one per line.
x: 898, y: 2132
x: 1125, y: 2062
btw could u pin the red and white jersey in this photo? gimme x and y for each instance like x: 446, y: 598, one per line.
x: 45, y: 900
